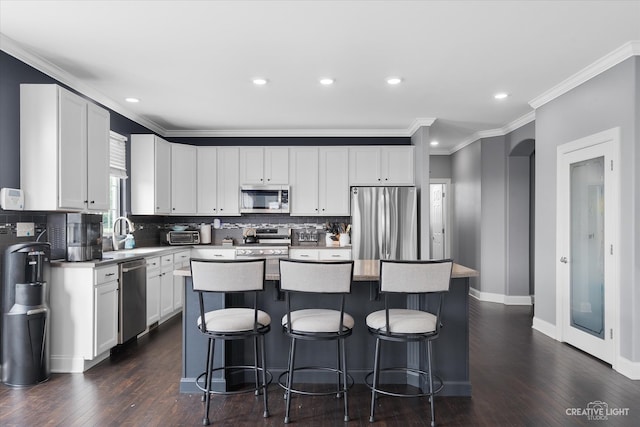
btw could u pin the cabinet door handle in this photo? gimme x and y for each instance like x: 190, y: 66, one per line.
x: 110, y: 274
x: 304, y: 256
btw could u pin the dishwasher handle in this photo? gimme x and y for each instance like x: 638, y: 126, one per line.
x: 131, y: 266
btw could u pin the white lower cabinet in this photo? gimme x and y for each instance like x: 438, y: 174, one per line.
x: 153, y: 290
x: 166, y: 286
x: 320, y: 254
x: 213, y: 253
x: 105, y: 317
x: 84, y: 316
x: 180, y: 260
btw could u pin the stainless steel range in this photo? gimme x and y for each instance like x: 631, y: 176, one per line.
x: 262, y: 251
x: 269, y: 243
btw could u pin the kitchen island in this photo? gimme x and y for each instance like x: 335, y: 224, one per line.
x: 451, y: 349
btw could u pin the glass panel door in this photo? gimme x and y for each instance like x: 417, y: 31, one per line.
x: 587, y: 246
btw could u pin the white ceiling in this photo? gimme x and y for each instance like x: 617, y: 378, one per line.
x: 191, y: 62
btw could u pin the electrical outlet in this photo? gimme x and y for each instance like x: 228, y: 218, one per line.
x: 24, y: 229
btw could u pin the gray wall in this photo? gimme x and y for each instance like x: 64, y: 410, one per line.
x: 493, y: 214
x: 609, y: 100
x: 440, y: 166
x: 466, y: 175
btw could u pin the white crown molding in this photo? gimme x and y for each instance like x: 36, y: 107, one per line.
x: 624, y: 52
x: 288, y: 133
x: 418, y: 123
x: 508, y: 128
x: 14, y: 49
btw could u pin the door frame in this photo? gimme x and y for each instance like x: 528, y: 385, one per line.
x: 612, y: 237
x: 447, y: 213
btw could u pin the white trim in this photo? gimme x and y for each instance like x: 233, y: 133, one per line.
x: 489, y: 133
x: 628, y: 368
x: 418, y: 123
x: 609, y: 140
x: 14, y: 49
x: 544, y: 327
x: 288, y: 133
x: 624, y: 52
x: 500, y: 298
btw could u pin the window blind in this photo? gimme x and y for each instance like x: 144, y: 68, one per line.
x: 118, y: 155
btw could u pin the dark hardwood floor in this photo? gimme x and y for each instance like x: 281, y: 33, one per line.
x: 519, y: 376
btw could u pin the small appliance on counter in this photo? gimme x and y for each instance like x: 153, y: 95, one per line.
x: 205, y: 234
x: 75, y: 236
x: 184, y: 237
x: 24, y: 348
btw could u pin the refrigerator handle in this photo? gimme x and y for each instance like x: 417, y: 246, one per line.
x: 381, y: 234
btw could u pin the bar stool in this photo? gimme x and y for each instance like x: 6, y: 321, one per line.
x: 405, y: 325
x: 236, y: 323
x: 316, y: 324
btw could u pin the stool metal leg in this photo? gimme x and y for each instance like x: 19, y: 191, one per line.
x: 206, y: 372
x: 292, y: 356
x: 255, y: 364
x: 208, y: 380
x: 376, y: 375
x: 339, y: 368
x: 264, y: 377
x: 344, y: 378
x: 432, y: 397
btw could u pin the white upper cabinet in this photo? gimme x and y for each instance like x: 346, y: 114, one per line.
x: 64, y: 150
x: 304, y: 181
x: 333, y: 185
x: 264, y: 165
x: 319, y: 181
x: 183, y: 179
x: 150, y: 175
x: 381, y: 165
x: 218, y: 181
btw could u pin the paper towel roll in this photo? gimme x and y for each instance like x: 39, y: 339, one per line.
x: 205, y: 233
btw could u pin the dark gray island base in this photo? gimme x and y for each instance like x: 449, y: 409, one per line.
x: 451, y: 349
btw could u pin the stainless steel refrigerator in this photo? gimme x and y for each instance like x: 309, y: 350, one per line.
x: 384, y: 223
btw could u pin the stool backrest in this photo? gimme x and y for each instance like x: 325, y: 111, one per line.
x: 331, y: 277
x: 415, y: 276
x: 228, y: 275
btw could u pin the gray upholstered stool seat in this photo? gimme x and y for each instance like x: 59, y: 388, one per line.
x: 318, y: 320
x: 403, y: 321
x: 233, y: 320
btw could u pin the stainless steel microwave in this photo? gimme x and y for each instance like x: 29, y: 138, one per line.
x: 264, y: 199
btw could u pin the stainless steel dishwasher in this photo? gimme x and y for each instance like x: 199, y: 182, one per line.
x: 133, y: 299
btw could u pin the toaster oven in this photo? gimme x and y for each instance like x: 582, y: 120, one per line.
x: 183, y: 238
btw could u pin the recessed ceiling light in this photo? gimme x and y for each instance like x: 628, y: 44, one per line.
x: 132, y: 100
x: 259, y: 81
x: 394, y: 80
x: 327, y: 81
x: 501, y: 95
x: 434, y: 143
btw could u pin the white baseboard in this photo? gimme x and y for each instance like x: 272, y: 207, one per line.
x: 69, y: 364
x: 549, y: 329
x: 500, y: 298
x: 628, y: 368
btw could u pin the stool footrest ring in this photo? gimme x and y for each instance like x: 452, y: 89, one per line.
x: 438, y: 384
x: 200, y: 380
x: 283, y: 376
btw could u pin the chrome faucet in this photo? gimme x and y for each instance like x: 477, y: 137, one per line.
x: 115, y: 222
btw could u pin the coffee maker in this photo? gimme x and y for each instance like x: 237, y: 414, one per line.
x: 75, y: 236
x: 25, y: 315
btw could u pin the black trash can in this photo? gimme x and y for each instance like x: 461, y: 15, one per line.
x: 25, y: 316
